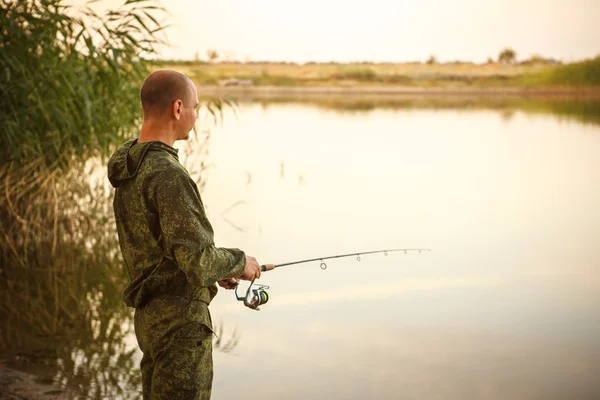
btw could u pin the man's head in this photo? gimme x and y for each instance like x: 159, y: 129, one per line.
x: 170, y: 97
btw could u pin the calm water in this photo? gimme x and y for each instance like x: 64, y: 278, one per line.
x: 506, y: 306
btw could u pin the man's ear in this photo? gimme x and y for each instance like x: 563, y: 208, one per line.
x: 177, y: 109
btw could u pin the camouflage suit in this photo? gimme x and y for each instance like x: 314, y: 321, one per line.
x: 173, y: 264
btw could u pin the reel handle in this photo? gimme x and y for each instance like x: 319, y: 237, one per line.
x: 267, y: 267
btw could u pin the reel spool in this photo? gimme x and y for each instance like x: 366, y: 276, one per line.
x: 256, y: 295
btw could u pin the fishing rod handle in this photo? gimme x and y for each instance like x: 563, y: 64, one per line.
x: 267, y: 267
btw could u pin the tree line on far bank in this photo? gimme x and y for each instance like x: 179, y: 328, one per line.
x: 507, y: 56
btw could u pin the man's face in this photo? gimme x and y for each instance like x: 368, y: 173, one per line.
x: 190, y: 113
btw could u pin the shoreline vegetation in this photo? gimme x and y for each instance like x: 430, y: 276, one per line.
x: 267, y: 79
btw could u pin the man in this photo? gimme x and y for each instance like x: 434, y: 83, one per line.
x: 167, y: 244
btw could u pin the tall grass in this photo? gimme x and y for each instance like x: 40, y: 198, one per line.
x: 584, y: 73
x: 62, y: 279
x: 69, y: 85
x: 69, y: 80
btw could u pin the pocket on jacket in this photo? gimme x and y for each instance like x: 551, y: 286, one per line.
x: 197, y: 311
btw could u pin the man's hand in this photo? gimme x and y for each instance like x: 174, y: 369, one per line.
x: 252, y: 269
x: 229, y: 283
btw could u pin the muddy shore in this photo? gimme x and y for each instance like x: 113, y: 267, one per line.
x: 19, y: 385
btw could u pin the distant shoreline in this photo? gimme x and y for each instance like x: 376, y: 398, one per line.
x: 488, y: 80
x: 276, y: 92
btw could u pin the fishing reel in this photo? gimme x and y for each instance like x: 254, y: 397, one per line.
x: 256, y: 295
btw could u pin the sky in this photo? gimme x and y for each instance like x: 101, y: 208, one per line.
x: 379, y: 30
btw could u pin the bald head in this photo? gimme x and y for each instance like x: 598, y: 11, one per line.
x: 161, y: 88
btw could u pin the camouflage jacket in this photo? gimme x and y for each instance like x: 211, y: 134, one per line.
x: 165, y: 238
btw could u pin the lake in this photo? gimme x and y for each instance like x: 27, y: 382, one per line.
x: 506, y: 305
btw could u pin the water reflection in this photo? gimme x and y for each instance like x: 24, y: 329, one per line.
x: 352, y: 361
x: 584, y: 109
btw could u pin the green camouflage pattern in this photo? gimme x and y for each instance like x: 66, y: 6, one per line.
x: 173, y: 265
x: 175, y: 338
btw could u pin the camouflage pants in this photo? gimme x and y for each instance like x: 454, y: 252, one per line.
x: 176, y: 338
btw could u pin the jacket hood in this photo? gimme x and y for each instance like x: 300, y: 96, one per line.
x: 125, y: 163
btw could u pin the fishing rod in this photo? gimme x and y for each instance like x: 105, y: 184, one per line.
x: 269, y: 267
x: 257, y: 295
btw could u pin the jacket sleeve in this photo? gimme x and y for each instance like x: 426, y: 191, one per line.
x: 186, y: 233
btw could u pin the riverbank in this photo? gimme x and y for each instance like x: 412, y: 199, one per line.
x: 19, y: 385
x: 386, y: 78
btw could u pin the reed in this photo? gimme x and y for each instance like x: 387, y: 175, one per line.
x: 69, y: 82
